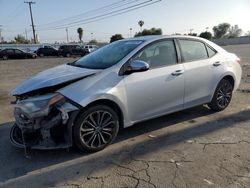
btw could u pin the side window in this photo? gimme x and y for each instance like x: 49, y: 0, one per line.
x: 193, y: 50
x: 211, y: 52
x: 158, y: 54
x: 18, y: 51
x: 9, y: 51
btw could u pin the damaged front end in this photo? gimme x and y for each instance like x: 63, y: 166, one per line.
x: 43, y: 122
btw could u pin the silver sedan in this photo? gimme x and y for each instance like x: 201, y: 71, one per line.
x: 86, y: 102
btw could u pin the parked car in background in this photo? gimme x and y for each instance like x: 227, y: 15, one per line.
x: 90, y: 48
x: 47, y: 51
x: 12, y: 53
x: 69, y: 50
x: 128, y: 81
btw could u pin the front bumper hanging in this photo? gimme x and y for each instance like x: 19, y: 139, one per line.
x: 53, y: 131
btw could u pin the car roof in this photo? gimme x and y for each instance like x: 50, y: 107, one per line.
x: 151, y: 38
x: 12, y: 49
x: 155, y: 37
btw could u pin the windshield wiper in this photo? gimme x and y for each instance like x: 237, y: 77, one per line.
x: 73, y: 64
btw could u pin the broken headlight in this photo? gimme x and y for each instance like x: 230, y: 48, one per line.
x: 40, y: 105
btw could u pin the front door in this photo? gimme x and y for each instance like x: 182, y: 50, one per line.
x: 160, y: 89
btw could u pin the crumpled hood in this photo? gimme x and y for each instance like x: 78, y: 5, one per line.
x: 52, y: 77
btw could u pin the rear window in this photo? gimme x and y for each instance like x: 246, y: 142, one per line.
x: 211, y: 52
x: 9, y: 51
x: 62, y: 47
x: 193, y: 50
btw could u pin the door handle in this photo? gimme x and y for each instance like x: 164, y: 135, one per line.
x: 177, y: 72
x: 216, y: 64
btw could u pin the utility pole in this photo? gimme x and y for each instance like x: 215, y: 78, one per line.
x: 0, y: 34
x: 26, y: 35
x: 67, y: 35
x: 191, y: 30
x: 31, y: 17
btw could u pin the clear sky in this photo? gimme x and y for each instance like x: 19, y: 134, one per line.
x: 173, y: 16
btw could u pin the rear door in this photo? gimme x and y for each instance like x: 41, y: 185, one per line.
x: 160, y: 89
x: 199, y: 72
x: 19, y: 54
x: 45, y: 51
x: 77, y: 50
x: 50, y: 51
x: 10, y: 53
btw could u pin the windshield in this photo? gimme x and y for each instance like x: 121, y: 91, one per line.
x: 108, y: 55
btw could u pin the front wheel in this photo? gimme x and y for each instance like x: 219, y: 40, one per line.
x: 96, y: 128
x: 222, y: 96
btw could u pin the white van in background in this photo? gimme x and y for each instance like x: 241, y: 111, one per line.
x: 90, y: 48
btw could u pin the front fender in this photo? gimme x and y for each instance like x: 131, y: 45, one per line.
x: 106, y: 85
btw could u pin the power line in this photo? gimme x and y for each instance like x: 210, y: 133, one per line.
x: 32, y: 21
x: 111, y: 6
x: 104, y: 16
x: 0, y: 33
x: 13, y: 14
x: 95, y: 17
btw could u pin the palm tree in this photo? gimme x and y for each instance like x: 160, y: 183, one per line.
x: 80, y: 33
x: 141, y: 23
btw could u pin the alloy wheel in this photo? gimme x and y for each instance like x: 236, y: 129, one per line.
x: 224, y: 94
x: 97, y: 129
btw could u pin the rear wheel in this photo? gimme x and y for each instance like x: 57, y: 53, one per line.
x: 96, y: 128
x: 222, y: 95
x: 5, y: 57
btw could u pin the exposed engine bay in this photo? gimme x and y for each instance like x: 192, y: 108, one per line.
x: 43, y: 122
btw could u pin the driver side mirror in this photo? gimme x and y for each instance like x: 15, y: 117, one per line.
x: 137, y: 66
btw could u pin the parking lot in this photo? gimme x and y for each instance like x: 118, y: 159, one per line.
x: 191, y: 148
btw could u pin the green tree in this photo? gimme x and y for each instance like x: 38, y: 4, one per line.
x: 19, y: 39
x: 116, y: 37
x: 93, y: 41
x: 234, y: 31
x: 247, y: 34
x: 80, y: 33
x: 192, y: 34
x: 176, y: 34
x: 206, y: 35
x: 152, y: 31
x: 221, y: 30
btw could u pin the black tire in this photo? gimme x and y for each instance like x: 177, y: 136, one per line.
x: 89, y: 134
x: 16, y: 136
x: 222, y: 96
x: 5, y: 57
